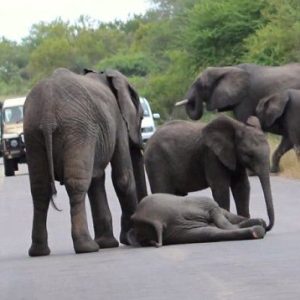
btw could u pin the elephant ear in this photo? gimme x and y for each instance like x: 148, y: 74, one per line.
x: 230, y: 86
x: 129, y: 104
x: 270, y: 108
x: 219, y: 136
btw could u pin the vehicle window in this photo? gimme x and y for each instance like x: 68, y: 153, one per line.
x: 13, y: 114
x: 146, y: 110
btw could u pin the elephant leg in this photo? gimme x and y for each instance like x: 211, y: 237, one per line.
x: 240, y: 188
x: 218, y: 178
x: 220, y: 220
x: 160, y: 182
x: 243, y: 222
x: 40, y: 190
x: 78, y: 170
x: 214, y: 234
x: 102, y: 218
x: 124, y: 184
x: 284, y: 146
x: 221, y: 195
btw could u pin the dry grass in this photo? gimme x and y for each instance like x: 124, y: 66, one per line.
x: 289, y: 164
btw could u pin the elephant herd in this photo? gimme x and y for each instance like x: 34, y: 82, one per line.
x: 76, y: 124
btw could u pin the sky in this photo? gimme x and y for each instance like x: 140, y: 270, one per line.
x: 17, y: 16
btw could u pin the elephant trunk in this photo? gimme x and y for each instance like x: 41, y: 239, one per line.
x: 139, y: 172
x: 266, y: 186
x: 194, y: 106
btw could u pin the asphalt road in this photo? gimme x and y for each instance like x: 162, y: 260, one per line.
x: 261, y: 269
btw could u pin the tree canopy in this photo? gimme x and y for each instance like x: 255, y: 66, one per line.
x: 161, y: 51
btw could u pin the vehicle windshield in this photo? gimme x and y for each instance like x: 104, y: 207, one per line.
x: 13, y: 114
x: 145, y: 108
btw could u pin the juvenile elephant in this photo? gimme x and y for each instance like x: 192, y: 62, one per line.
x: 162, y: 219
x: 280, y: 112
x: 239, y: 88
x: 74, y: 126
x: 184, y: 156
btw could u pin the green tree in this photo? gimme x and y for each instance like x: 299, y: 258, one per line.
x: 216, y: 30
x: 278, y: 41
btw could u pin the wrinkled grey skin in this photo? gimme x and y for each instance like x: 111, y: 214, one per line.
x: 184, y: 156
x: 239, y: 88
x: 74, y: 126
x: 162, y: 219
x: 280, y: 113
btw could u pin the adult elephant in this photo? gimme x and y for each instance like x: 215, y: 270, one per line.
x: 162, y: 219
x: 280, y: 111
x: 239, y: 88
x: 184, y: 156
x: 74, y: 126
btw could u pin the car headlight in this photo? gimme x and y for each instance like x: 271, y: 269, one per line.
x: 13, y: 143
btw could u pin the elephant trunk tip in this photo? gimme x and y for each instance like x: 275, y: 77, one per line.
x: 270, y: 226
x: 194, y: 109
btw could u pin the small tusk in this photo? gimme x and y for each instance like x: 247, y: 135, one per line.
x: 182, y: 102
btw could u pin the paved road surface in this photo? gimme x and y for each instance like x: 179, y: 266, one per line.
x: 263, y: 269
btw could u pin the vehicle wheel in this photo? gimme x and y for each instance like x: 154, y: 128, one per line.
x: 16, y: 165
x: 9, y: 167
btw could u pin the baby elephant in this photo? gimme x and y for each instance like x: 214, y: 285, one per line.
x: 163, y: 219
x: 183, y: 157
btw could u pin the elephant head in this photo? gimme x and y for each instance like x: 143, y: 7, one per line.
x: 127, y: 99
x: 221, y: 89
x: 238, y: 145
x: 270, y: 108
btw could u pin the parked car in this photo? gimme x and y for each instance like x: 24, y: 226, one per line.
x: 148, y: 125
x: 12, y: 137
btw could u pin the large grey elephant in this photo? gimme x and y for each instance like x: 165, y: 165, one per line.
x: 74, y: 126
x: 239, y: 88
x: 162, y: 219
x: 280, y: 111
x: 185, y: 156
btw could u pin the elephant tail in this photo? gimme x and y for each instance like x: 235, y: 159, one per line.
x: 48, y: 131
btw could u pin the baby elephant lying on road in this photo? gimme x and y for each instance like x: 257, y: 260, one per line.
x: 162, y: 219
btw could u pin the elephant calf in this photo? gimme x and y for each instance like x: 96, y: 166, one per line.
x: 183, y: 157
x: 162, y: 219
x: 279, y: 113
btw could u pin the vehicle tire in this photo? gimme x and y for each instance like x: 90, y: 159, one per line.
x: 9, y: 167
x: 16, y: 165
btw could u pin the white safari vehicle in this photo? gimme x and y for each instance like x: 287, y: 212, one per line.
x: 148, y: 125
x: 13, y: 146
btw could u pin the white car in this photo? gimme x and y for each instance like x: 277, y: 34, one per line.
x: 148, y: 125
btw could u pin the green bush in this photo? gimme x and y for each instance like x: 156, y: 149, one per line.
x: 136, y: 64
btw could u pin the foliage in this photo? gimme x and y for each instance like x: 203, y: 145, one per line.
x: 160, y: 51
x: 135, y: 64
x: 217, y: 29
x: 278, y: 42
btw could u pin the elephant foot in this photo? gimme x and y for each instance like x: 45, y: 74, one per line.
x: 258, y: 232
x: 85, y: 246
x: 253, y: 222
x: 38, y: 250
x: 124, y: 238
x: 275, y: 169
x: 107, y: 242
